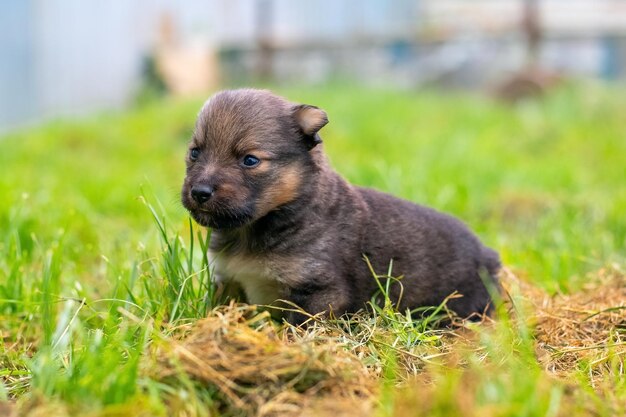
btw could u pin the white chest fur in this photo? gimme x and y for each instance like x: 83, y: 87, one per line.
x: 256, y: 276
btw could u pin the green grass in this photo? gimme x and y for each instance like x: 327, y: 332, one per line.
x: 100, y: 266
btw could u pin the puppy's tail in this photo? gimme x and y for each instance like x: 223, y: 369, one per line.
x: 490, y: 260
x: 491, y: 265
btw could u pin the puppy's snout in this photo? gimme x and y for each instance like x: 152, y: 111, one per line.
x: 202, y: 193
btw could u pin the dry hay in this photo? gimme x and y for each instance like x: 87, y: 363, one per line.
x: 260, y: 368
x: 586, y: 328
x: 241, y: 354
x: 7, y: 409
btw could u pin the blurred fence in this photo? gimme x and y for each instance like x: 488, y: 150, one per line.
x: 73, y: 56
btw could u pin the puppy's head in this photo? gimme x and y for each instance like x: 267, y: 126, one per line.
x: 249, y: 155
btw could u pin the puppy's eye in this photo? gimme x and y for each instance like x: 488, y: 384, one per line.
x: 194, y: 153
x: 250, y: 161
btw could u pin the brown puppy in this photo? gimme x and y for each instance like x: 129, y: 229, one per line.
x: 286, y: 226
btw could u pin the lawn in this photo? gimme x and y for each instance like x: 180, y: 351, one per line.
x: 106, y: 306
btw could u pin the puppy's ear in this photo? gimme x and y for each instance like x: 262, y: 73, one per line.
x: 310, y: 119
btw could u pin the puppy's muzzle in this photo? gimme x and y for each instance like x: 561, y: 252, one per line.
x: 202, y: 193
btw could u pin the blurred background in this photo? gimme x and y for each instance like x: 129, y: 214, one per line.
x: 70, y: 57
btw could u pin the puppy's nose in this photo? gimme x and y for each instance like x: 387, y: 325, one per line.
x: 201, y: 193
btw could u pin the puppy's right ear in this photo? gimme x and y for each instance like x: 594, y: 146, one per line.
x: 310, y: 119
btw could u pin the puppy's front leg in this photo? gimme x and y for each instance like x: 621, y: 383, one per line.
x: 314, y: 299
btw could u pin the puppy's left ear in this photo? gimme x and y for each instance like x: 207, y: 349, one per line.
x: 310, y: 119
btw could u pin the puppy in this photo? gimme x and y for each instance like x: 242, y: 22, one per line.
x: 288, y: 227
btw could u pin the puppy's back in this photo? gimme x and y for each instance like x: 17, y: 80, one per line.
x: 434, y: 252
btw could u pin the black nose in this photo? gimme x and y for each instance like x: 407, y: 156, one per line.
x: 201, y: 193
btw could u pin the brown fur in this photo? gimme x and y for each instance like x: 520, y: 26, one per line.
x: 284, y: 191
x: 291, y: 228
